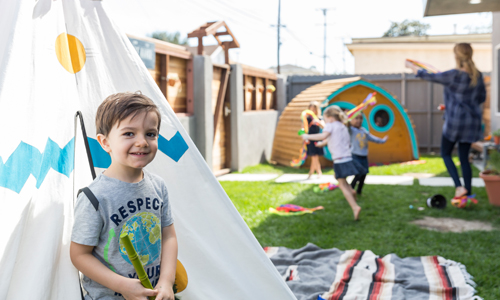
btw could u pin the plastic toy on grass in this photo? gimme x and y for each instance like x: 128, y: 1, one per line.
x: 293, y: 210
x: 325, y: 187
x: 463, y: 201
x: 303, y: 151
x: 437, y: 201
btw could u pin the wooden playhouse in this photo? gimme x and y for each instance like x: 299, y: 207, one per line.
x: 386, y: 117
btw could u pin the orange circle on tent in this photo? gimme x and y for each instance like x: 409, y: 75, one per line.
x: 181, y: 278
x: 70, y: 52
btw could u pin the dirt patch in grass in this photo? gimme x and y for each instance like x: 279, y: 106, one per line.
x: 452, y: 225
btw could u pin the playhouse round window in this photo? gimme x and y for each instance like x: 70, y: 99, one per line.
x: 381, y: 118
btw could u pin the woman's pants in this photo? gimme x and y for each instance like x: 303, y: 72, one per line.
x: 463, y: 154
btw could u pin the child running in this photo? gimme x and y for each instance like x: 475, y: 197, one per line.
x: 312, y: 150
x: 339, y: 146
x: 130, y: 199
x: 359, y: 141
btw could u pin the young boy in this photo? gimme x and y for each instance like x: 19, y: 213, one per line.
x: 130, y: 200
x: 359, y: 143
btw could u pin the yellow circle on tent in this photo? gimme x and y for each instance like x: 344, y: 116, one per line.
x: 181, y: 278
x: 70, y: 52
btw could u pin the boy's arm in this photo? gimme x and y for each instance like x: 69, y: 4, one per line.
x: 168, y: 263
x: 316, y: 136
x: 82, y: 258
x: 372, y: 138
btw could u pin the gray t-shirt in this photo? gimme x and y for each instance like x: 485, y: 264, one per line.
x: 359, y: 140
x: 142, y: 209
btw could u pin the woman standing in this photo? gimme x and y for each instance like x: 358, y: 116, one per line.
x: 464, y: 92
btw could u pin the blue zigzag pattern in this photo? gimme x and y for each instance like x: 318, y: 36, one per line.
x: 27, y: 160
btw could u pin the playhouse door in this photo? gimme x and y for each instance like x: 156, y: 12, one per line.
x: 220, y: 109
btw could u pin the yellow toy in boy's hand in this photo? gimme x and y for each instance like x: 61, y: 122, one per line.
x: 136, y: 262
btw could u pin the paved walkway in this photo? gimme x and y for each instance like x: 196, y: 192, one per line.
x: 370, y: 179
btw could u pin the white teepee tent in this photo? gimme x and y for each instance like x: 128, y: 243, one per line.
x: 61, y: 56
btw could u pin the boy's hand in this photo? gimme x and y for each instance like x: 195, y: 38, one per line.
x: 385, y: 138
x: 305, y: 136
x: 165, y: 293
x: 132, y: 289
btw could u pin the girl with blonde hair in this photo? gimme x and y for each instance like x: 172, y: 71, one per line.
x: 339, y: 145
x: 464, y: 92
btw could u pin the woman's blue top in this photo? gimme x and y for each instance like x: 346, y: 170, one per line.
x: 462, y: 115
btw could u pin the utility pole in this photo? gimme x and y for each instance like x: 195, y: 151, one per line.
x: 279, y: 28
x: 324, y: 10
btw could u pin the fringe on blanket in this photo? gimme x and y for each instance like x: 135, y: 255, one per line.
x: 468, y: 277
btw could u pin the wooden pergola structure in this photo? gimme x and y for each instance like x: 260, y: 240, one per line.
x: 211, y: 28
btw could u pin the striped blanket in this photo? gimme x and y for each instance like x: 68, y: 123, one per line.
x: 313, y: 273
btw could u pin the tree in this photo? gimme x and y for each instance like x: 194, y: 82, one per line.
x: 174, y: 38
x: 407, y: 27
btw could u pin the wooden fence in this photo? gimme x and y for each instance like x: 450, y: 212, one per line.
x: 174, y: 75
x: 260, y: 89
x: 221, y: 158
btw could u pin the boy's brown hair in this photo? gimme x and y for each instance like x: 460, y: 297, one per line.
x: 118, y: 107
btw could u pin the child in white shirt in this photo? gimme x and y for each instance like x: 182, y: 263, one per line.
x: 339, y: 147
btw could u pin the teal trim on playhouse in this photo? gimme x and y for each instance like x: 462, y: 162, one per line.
x: 372, y: 118
x: 384, y: 93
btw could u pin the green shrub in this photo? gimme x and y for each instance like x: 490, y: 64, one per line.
x: 494, y: 162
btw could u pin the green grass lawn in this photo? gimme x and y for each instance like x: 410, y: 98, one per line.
x: 383, y: 226
x: 433, y: 165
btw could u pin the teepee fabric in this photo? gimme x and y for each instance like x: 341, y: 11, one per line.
x: 58, y: 57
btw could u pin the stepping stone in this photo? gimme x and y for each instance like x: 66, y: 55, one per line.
x: 370, y: 179
x: 419, y: 175
x: 247, y: 177
x: 302, y: 178
x: 447, y: 181
x: 389, y: 180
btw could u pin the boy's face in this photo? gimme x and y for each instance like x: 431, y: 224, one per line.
x: 132, y: 144
x: 356, y: 122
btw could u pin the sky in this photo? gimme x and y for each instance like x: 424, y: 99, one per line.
x: 302, y: 41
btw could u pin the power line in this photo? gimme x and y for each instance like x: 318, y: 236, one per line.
x: 226, y: 4
x: 226, y: 10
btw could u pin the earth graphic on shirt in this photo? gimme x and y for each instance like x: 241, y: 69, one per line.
x: 144, y: 230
